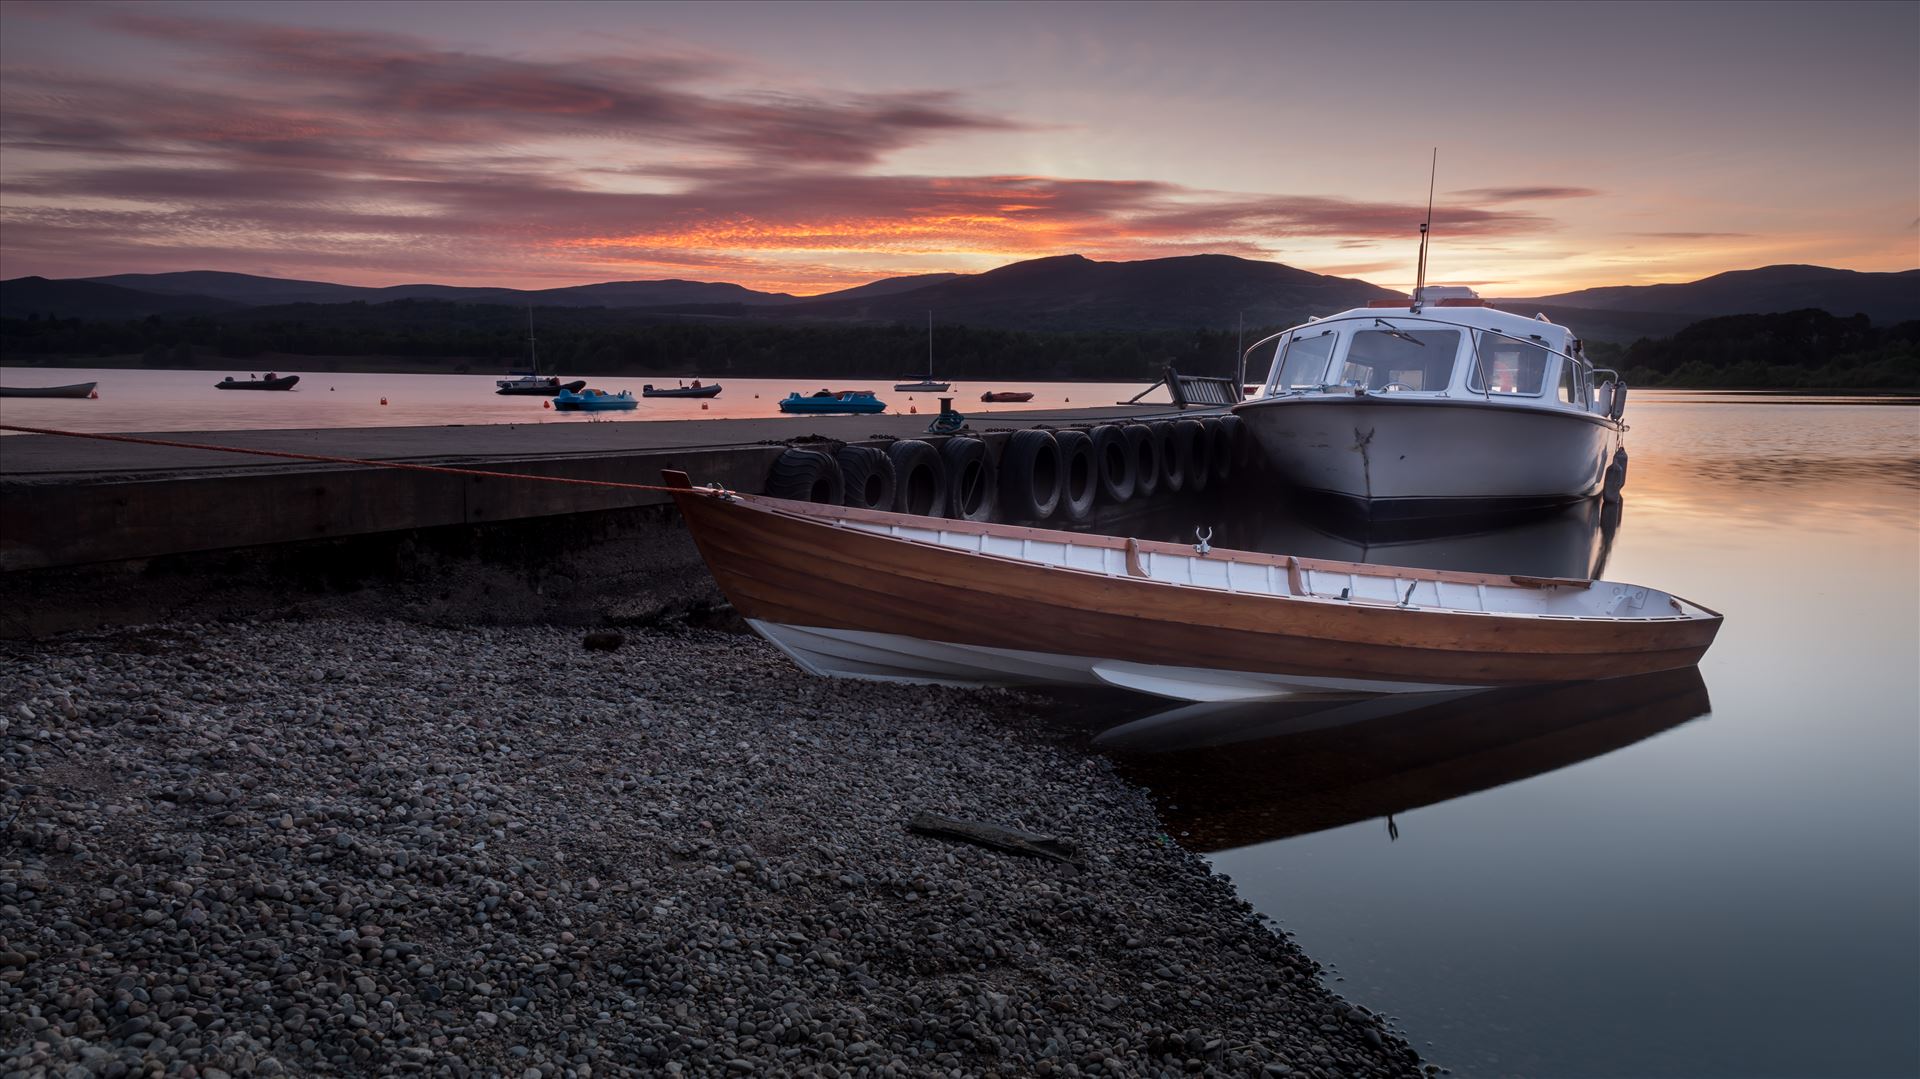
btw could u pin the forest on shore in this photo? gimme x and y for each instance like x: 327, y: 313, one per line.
x: 1799, y: 349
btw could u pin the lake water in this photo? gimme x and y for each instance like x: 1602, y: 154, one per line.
x: 1690, y: 875
x: 145, y: 400
x: 1701, y: 874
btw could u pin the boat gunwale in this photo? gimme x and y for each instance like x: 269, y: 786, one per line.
x: 1326, y: 399
x: 836, y: 516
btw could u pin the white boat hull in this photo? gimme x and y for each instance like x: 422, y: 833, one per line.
x: 1432, y: 455
x: 889, y: 657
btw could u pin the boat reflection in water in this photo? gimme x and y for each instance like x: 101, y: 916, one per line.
x: 1232, y: 775
x: 1571, y: 541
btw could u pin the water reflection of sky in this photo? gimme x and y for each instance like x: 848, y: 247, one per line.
x: 1601, y: 886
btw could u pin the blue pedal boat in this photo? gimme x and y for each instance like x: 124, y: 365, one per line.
x: 591, y: 400
x: 833, y: 401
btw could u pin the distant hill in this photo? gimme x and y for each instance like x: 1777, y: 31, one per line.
x: 238, y: 288
x: 24, y: 297
x: 886, y: 286
x: 1882, y: 297
x: 268, y: 291
x: 1071, y: 292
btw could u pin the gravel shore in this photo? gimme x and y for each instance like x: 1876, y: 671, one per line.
x: 347, y: 845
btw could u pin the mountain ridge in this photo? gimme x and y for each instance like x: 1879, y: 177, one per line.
x: 1050, y: 294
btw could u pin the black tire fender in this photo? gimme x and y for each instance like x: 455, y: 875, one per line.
x: 1196, y: 440
x: 1229, y: 446
x: 1030, y: 475
x: 970, y: 476
x: 1144, y: 448
x: 1173, y: 476
x: 1113, y: 462
x: 866, y: 476
x: 919, y: 478
x: 806, y: 476
x: 1079, y: 474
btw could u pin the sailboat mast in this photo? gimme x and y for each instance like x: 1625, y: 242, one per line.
x: 533, y: 354
x: 1420, y: 282
x: 929, y: 345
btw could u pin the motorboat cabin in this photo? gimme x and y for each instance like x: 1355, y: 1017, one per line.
x: 1438, y: 406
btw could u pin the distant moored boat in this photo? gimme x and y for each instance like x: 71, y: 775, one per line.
x: 78, y: 389
x: 271, y: 382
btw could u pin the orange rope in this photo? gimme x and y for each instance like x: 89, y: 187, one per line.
x: 327, y: 459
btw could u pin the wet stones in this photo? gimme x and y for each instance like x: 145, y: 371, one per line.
x: 488, y: 851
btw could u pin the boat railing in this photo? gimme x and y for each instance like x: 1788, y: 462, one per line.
x: 1534, y: 341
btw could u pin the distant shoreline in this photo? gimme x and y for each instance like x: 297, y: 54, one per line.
x: 402, y: 365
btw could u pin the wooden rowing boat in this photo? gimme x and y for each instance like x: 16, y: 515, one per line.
x: 894, y: 597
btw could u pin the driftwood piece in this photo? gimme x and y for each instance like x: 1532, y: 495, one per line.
x: 1011, y: 840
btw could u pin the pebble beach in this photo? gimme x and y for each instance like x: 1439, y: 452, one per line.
x: 364, y: 846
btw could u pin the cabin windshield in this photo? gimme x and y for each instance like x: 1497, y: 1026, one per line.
x: 1503, y: 365
x: 1396, y: 360
x: 1303, y: 362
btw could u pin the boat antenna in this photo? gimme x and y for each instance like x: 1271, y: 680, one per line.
x: 1421, y: 282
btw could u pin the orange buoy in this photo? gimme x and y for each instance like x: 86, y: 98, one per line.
x: 383, y: 400
x: 93, y: 395
x: 913, y: 410
x: 703, y: 406
x: 546, y: 404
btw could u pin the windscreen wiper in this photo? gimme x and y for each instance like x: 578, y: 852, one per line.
x: 1395, y: 331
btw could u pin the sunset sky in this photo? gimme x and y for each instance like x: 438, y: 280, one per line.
x: 804, y: 148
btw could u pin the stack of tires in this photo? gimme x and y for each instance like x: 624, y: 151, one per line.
x: 1040, y: 475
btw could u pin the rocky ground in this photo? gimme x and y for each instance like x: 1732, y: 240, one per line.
x: 348, y: 845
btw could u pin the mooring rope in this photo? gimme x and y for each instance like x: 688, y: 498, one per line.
x: 332, y: 460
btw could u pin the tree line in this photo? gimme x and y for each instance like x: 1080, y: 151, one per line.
x: 1795, y: 349
x: 602, y: 341
x: 1808, y: 348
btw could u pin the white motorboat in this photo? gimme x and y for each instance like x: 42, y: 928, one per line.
x: 1436, y: 406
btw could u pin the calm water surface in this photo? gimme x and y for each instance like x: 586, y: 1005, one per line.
x: 1689, y: 875
x: 143, y: 400
x: 1701, y: 874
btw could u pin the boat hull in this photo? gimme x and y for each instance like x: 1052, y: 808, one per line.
x: 549, y: 389
x: 1427, y: 457
x: 686, y: 391
x: 855, y: 603
x: 78, y: 389
x: 806, y: 407
x: 284, y: 383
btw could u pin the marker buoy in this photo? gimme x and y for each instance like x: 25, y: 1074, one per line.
x: 546, y: 404
x: 93, y: 395
x: 913, y: 410
x: 383, y: 400
x: 703, y: 406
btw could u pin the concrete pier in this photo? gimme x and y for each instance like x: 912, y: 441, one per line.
x: 74, y: 501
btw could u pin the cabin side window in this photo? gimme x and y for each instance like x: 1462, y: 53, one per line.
x: 1503, y: 365
x: 1396, y: 361
x: 1303, y: 364
x: 1576, y: 383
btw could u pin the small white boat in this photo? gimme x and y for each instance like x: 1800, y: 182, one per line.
x: 1437, y: 406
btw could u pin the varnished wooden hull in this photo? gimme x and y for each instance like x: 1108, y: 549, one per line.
x: 784, y: 566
